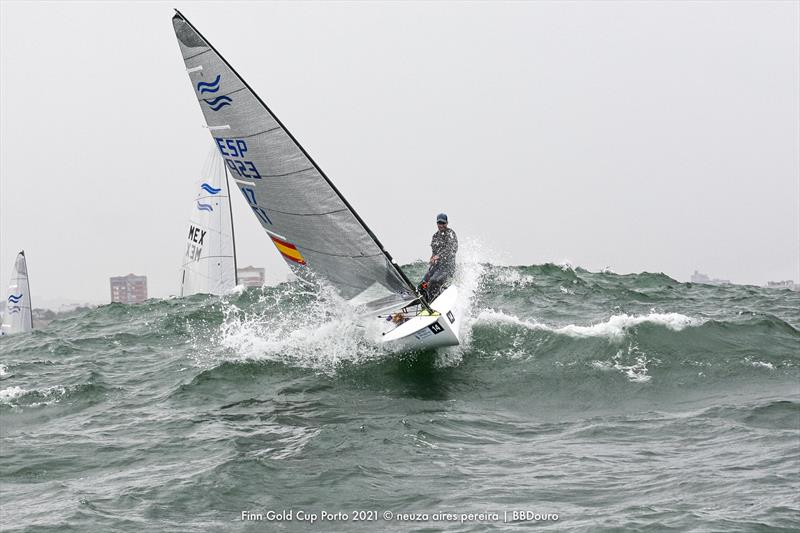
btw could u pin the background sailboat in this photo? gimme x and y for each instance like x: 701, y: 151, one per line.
x: 209, y: 258
x: 18, y: 316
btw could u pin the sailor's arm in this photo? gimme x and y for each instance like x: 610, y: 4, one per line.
x: 436, y: 246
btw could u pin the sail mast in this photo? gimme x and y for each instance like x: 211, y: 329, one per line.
x: 233, y: 235
x: 357, y: 217
x: 28, y: 283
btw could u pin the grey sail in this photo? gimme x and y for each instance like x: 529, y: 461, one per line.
x: 309, y: 221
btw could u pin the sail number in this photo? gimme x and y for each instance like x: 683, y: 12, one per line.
x: 233, y: 151
x: 236, y: 148
x: 250, y: 196
x: 194, y: 248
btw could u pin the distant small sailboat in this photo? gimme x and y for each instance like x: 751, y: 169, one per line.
x: 209, y: 259
x: 18, y: 317
x: 314, y: 228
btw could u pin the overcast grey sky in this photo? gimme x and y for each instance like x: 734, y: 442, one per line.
x: 637, y: 135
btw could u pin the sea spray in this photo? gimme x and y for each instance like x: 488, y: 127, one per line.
x: 309, y: 325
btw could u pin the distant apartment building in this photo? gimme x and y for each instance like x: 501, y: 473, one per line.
x: 250, y: 276
x: 130, y: 289
x: 699, y: 277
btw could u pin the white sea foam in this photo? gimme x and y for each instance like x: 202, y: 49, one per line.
x: 512, y: 277
x: 633, y: 363
x: 637, y: 371
x: 49, y: 395
x: 295, y: 325
x: 11, y: 393
x: 613, y: 328
x: 3, y: 371
x: 616, y: 326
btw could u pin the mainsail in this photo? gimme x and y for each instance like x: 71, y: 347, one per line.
x: 18, y: 317
x: 209, y: 259
x: 309, y: 221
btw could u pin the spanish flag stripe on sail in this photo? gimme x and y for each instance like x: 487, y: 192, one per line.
x: 288, y: 250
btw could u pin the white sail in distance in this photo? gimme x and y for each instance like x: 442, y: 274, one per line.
x: 311, y: 224
x: 209, y: 258
x: 18, y: 316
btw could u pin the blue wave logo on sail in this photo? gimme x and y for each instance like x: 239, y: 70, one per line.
x: 204, y: 207
x: 209, y: 87
x: 219, y: 102
x: 15, y: 298
x: 209, y: 189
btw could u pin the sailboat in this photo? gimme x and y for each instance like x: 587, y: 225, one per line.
x: 209, y: 259
x: 18, y: 317
x: 313, y: 227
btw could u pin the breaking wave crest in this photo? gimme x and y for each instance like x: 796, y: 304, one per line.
x: 614, y: 328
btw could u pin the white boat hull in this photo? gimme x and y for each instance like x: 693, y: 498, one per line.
x: 427, y: 332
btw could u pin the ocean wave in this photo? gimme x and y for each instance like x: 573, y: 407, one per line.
x: 777, y: 413
x: 662, y: 348
x: 614, y: 328
x: 16, y: 396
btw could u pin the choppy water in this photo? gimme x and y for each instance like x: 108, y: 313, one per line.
x: 617, y: 402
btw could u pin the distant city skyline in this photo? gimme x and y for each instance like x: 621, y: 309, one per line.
x: 657, y: 137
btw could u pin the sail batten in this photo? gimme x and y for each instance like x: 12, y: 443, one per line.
x: 306, y: 214
x: 321, y: 234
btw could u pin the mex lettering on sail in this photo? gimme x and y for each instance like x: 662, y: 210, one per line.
x: 195, y: 245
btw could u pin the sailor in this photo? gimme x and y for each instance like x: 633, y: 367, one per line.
x: 442, y: 266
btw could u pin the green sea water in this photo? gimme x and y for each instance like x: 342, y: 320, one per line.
x: 578, y: 401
